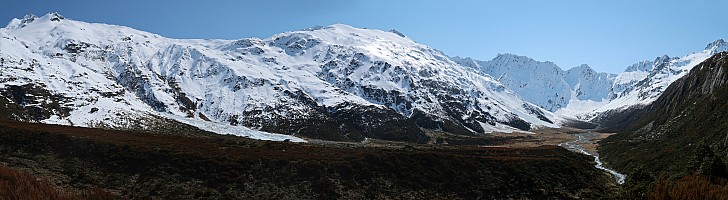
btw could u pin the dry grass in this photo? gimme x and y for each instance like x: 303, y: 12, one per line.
x: 594, y: 144
x: 689, y: 187
x: 15, y: 184
x: 538, y: 137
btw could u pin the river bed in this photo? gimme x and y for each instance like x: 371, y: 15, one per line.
x: 578, y: 146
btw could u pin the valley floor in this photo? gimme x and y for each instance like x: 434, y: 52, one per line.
x: 530, y: 139
x: 139, y: 165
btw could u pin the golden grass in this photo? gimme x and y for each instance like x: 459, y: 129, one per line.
x: 690, y: 187
x: 15, y: 184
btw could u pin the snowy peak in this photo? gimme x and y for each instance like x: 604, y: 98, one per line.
x: 581, y: 69
x: 344, y: 34
x: 663, y: 59
x: 585, y: 67
x: 523, y: 61
x: 643, y: 82
x: 53, y: 26
x: 530, y: 79
x: 717, y: 46
x: 467, y: 62
x: 30, y: 18
x: 588, y: 84
x: 54, y: 16
x: 511, y: 65
x: 583, y: 93
x: 641, y: 66
x: 544, y: 83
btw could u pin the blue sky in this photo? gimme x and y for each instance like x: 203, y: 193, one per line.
x: 607, y: 35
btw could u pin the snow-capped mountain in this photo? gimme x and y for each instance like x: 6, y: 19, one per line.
x: 335, y: 82
x: 60, y: 71
x: 643, y: 82
x: 584, y: 94
x: 544, y: 83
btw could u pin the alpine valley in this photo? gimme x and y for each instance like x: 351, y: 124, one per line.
x: 108, y: 112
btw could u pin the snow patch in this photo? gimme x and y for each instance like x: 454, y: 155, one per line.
x: 241, y: 131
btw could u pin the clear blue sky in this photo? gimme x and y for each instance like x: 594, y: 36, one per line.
x: 607, y: 35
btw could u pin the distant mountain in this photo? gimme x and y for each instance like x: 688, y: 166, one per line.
x: 643, y: 82
x: 584, y: 94
x: 335, y: 82
x: 544, y: 83
x: 664, y: 135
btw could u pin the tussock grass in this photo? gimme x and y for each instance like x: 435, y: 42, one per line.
x: 690, y: 187
x: 15, y: 184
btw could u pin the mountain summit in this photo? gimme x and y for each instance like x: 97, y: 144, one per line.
x: 717, y: 46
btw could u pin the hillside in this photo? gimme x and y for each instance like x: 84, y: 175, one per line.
x: 664, y: 136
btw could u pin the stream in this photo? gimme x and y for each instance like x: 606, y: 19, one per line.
x: 585, y: 138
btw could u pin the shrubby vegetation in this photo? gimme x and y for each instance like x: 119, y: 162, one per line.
x: 707, y: 179
x: 138, y: 165
x: 679, y: 141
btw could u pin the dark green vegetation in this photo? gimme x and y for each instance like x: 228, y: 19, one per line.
x: 352, y: 124
x: 615, y: 121
x: 131, y: 165
x: 684, y: 132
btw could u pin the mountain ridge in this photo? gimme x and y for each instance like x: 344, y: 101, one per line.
x: 584, y: 94
x: 542, y: 82
x: 335, y: 82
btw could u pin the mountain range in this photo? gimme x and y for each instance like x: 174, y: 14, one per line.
x: 334, y: 83
x: 584, y: 94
